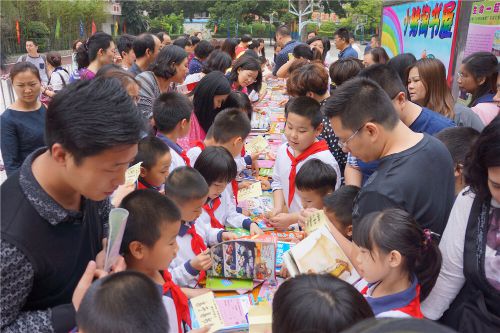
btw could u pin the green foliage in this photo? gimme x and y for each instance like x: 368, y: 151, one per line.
x: 39, y: 33
x: 132, y: 15
x: 170, y: 23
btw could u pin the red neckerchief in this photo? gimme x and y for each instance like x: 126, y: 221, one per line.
x: 200, y: 145
x: 313, y: 149
x: 214, y: 222
x: 180, y: 300
x: 197, y: 245
x: 185, y: 157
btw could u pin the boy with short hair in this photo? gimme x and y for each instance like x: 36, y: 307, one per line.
x: 172, y: 116
x: 156, y: 160
x: 303, y: 126
x: 125, y: 50
x: 189, y: 190
x: 338, y: 208
x: 149, y: 245
x: 458, y: 140
x: 314, y: 181
x: 218, y: 168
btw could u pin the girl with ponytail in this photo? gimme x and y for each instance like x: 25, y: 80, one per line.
x: 96, y: 52
x: 398, y: 261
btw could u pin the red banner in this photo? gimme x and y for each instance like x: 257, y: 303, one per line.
x: 18, y: 33
x: 94, y: 29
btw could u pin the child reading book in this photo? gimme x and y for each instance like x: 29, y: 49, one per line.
x: 303, y: 126
x: 156, y: 160
x: 124, y: 302
x: 314, y: 181
x: 398, y: 260
x: 171, y: 117
x: 189, y: 190
x: 149, y: 245
x: 218, y: 168
x: 338, y: 208
x: 317, y: 303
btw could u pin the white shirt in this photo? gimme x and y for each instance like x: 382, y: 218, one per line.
x: 226, y: 214
x: 194, y: 152
x: 177, y: 160
x: 56, y: 79
x: 283, y: 166
x: 451, y: 277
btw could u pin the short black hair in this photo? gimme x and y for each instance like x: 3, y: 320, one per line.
x: 343, y: 33
x: 246, y: 38
x: 218, y: 60
x: 283, y: 30
x: 194, y: 40
x: 303, y: 51
x: 341, y: 203
x: 185, y: 184
x: 317, y: 303
x: 161, y: 35
x: 458, y: 140
x: 148, y: 210
x: 228, y: 124
x: 398, y: 325
x: 216, y: 164
x: 125, y: 43
x: 344, y: 69
x: 164, y: 64
x: 316, y: 175
x: 142, y: 43
x: 169, y: 109
x: 149, y: 151
x: 203, y: 49
x: 240, y: 100
x: 74, y: 112
x: 386, y: 77
x: 182, y: 42
x: 124, y: 302
x: 21, y: 67
x: 307, y: 107
x: 351, y: 101
x: 401, y: 63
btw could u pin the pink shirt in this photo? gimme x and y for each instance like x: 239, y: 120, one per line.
x: 486, y: 111
x: 196, y: 133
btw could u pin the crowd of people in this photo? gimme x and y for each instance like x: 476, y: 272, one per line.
x: 408, y: 176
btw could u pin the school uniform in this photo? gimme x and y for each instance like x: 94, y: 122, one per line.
x: 179, y: 156
x: 176, y: 304
x: 405, y: 304
x: 287, y: 166
x: 142, y: 184
x: 221, y: 212
x: 192, y: 239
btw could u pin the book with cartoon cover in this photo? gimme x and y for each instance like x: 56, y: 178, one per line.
x: 253, y: 258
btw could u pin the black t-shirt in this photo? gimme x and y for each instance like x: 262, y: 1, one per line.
x: 419, y: 180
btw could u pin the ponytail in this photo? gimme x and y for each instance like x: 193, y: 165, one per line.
x: 87, y: 52
x: 396, y: 230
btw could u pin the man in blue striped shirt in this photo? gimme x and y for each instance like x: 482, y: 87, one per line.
x: 283, y: 39
x: 341, y: 40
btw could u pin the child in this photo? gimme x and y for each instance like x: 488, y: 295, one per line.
x: 303, y: 126
x: 317, y: 303
x: 124, y: 302
x: 315, y: 180
x: 171, y: 117
x: 149, y: 245
x: 398, y: 260
x: 156, y: 160
x: 189, y: 190
x: 338, y: 208
x: 218, y: 168
x: 458, y: 140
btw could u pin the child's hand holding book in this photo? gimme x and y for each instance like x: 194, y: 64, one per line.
x: 202, y: 261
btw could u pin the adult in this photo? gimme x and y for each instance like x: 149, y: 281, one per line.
x: 311, y: 34
x: 344, y: 69
x: 128, y: 81
x: 246, y: 75
x: 260, y: 49
x: 168, y: 69
x: 75, y: 46
x: 355, y: 45
x: 318, y: 43
x: 164, y: 38
x: 217, y: 61
x: 375, y: 55
x: 312, y: 80
x: 243, y: 44
x: 58, y: 76
x: 374, y: 42
x: 55, y: 209
x: 427, y: 87
x: 477, y: 76
x: 286, y: 43
x: 418, y: 119
x: 415, y: 170
x: 229, y: 46
x: 401, y: 63
x: 97, y: 51
x: 467, y: 292
x: 341, y: 40
x: 201, y: 53
x: 300, y: 53
x: 36, y: 59
x: 184, y: 43
x: 146, y: 48
x: 23, y: 121
x: 125, y: 50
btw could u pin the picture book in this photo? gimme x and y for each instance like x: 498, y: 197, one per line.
x: 252, y: 191
x: 320, y: 253
x: 287, y: 236
x: 221, y: 284
x: 117, y: 222
x: 252, y: 258
x: 240, y: 232
x: 268, y: 289
x: 281, y: 249
x: 260, y: 318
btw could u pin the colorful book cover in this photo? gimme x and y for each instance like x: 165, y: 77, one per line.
x: 221, y: 284
x: 282, y: 248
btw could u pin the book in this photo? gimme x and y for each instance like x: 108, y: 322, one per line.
x: 320, y: 253
x: 253, y: 258
x: 204, y: 312
x: 315, y: 221
x: 221, y: 284
x: 256, y: 145
x: 260, y: 318
x: 240, y: 232
x: 117, y: 222
x: 252, y: 191
x: 287, y: 236
x: 281, y: 249
x: 132, y: 174
x: 231, y: 310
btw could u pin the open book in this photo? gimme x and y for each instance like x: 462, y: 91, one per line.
x: 253, y: 258
x: 320, y: 253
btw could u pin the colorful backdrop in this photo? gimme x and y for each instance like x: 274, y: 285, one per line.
x: 426, y: 29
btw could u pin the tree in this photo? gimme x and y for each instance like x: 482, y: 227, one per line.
x: 132, y: 16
